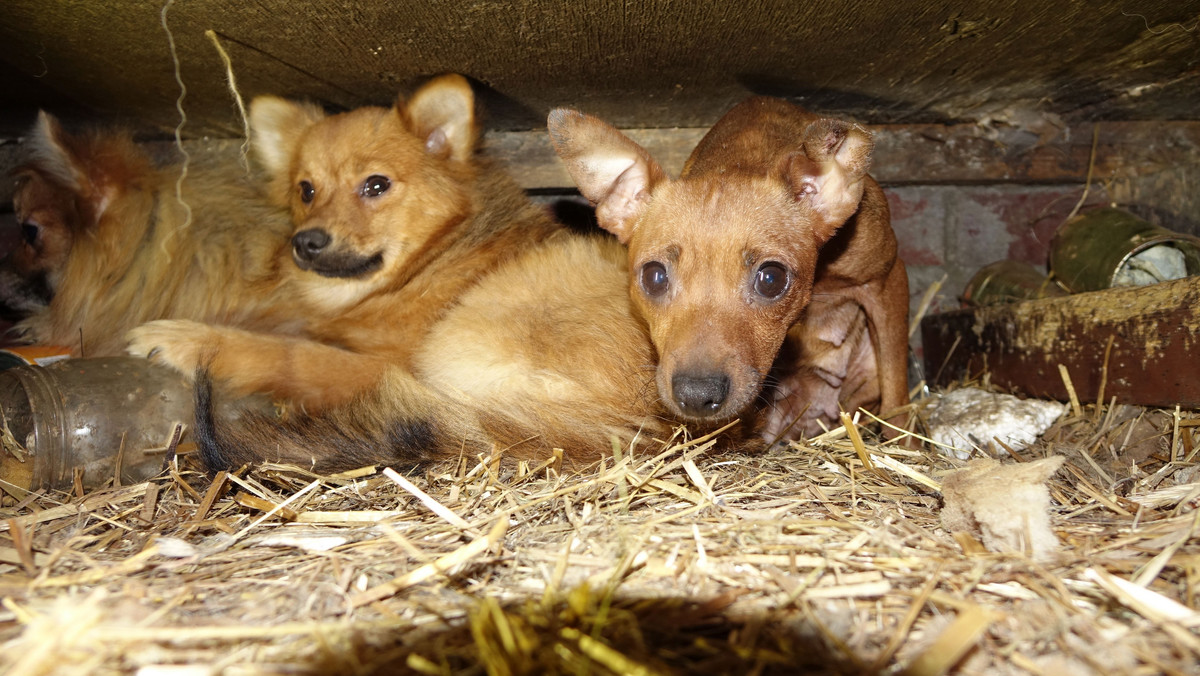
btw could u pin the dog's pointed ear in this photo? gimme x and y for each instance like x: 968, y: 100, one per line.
x: 826, y: 176
x: 442, y: 114
x: 612, y: 172
x: 94, y: 167
x: 51, y: 152
x: 276, y: 126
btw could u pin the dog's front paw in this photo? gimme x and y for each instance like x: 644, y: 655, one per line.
x: 179, y: 343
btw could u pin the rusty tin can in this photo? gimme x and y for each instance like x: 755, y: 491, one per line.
x: 1008, y: 281
x: 1111, y: 247
x: 109, y: 417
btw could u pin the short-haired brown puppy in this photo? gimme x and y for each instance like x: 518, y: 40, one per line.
x: 773, y: 229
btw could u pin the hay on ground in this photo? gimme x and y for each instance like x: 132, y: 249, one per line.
x: 827, y: 556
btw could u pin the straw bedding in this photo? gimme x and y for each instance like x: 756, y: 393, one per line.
x: 827, y: 556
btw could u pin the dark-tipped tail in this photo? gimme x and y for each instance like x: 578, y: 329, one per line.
x: 377, y: 429
x: 205, y: 432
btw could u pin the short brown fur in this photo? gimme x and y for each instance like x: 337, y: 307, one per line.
x: 771, y: 187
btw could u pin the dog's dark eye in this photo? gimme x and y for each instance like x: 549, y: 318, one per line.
x: 771, y: 280
x: 307, y: 192
x: 30, y: 232
x: 375, y: 186
x: 654, y: 279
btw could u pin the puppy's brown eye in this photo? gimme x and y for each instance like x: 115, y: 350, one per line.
x: 375, y: 186
x: 771, y: 280
x: 307, y: 192
x: 654, y: 279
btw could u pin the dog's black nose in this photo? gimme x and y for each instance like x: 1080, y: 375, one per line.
x: 308, y: 244
x: 700, y: 395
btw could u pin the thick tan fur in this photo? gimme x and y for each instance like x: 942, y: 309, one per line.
x: 108, y: 241
x: 390, y: 264
x: 547, y: 349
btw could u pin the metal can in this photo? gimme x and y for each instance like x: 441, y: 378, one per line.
x: 1007, y: 281
x: 1111, y: 247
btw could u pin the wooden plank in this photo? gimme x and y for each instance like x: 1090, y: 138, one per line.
x: 1154, y: 359
x: 530, y: 158
x: 913, y: 154
x: 908, y: 154
x: 905, y: 154
x: 641, y: 63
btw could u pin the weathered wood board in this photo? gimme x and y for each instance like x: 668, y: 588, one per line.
x: 642, y: 63
x: 1154, y: 358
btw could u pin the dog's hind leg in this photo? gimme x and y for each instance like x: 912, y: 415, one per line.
x: 886, y: 305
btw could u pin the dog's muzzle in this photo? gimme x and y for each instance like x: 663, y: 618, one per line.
x: 311, y: 250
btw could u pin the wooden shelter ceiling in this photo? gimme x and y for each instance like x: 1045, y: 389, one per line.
x: 639, y: 63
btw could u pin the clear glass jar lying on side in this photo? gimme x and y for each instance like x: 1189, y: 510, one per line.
x: 110, y: 417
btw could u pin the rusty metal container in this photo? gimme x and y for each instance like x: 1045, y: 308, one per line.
x: 1007, y: 281
x: 111, y: 417
x: 1109, y: 248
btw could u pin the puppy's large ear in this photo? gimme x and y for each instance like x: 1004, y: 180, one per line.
x: 442, y: 113
x: 613, y: 173
x: 276, y: 126
x: 826, y: 176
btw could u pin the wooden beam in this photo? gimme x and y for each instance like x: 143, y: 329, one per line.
x: 1154, y: 359
x: 912, y: 154
x: 907, y: 154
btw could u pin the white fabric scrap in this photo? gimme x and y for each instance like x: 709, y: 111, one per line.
x: 969, y: 417
x: 1159, y: 263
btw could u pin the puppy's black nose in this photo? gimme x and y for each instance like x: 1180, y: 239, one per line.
x: 700, y: 395
x: 308, y: 244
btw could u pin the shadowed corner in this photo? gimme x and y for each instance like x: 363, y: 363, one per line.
x: 840, y: 103
x: 575, y: 213
x: 503, y: 111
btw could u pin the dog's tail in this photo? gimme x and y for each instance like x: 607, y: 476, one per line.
x: 403, y: 424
